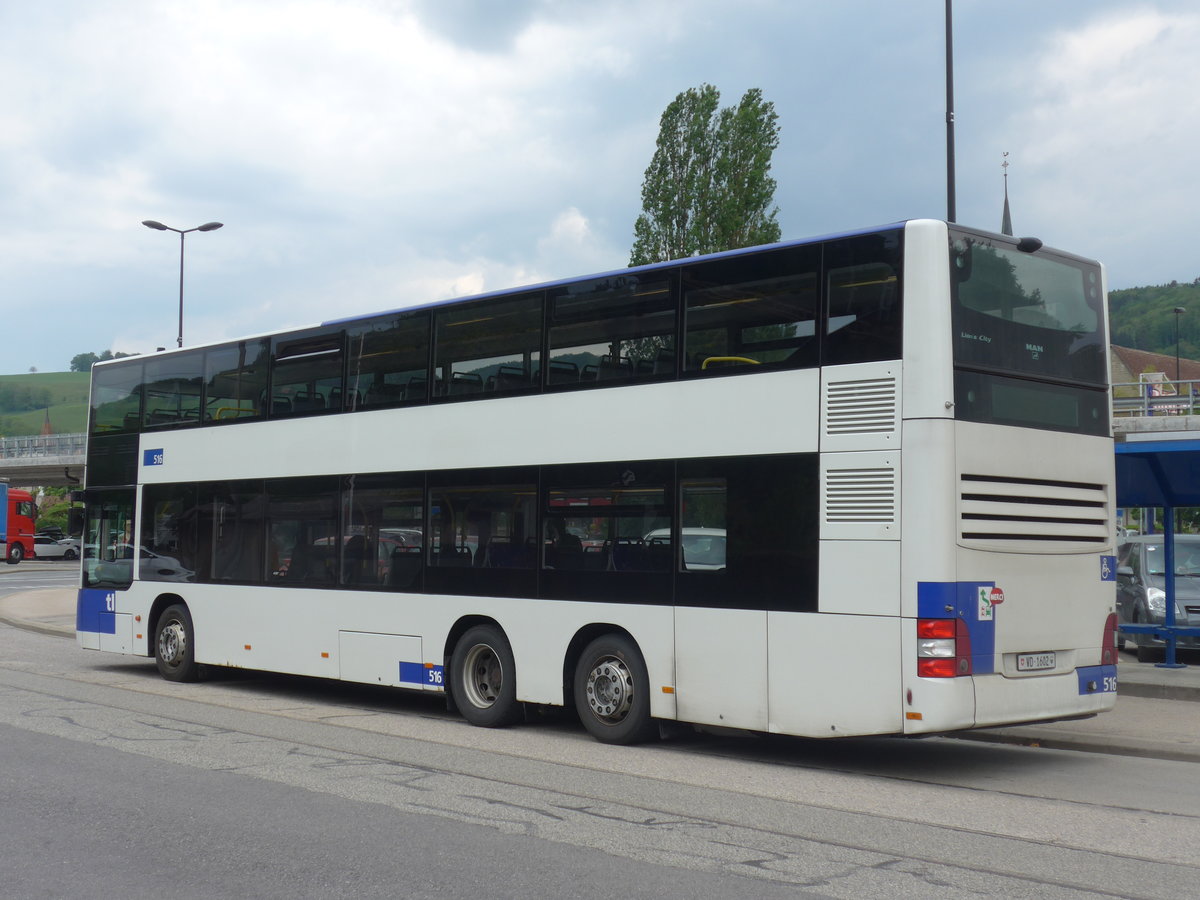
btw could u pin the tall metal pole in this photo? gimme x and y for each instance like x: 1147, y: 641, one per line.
x: 951, y: 215
x: 181, y: 234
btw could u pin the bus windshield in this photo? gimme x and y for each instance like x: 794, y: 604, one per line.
x: 1029, y: 337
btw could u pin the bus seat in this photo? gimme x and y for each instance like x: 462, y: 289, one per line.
x: 563, y: 371
x: 619, y: 367
x: 511, y: 378
x: 465, y: 383
x: 385, y: 392
x: 664, y: 361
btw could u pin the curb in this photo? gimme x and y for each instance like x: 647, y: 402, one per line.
x: 1110, y: 747
x: 67, y: 631
x: 1158, y: 691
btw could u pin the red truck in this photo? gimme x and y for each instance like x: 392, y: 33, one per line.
x: 16, y: 523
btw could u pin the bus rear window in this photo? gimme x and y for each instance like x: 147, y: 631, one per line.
x: 1034, y: 314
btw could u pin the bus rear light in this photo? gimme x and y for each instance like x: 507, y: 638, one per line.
x: 1108, y: 643
x: 937, y: 668
x: 943, y: 648
x: 936, y: 628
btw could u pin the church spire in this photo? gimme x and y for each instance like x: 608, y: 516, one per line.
x: 1006, y: 221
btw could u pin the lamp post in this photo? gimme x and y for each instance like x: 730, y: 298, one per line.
x: 159, y: 226
x: 1179, y: 311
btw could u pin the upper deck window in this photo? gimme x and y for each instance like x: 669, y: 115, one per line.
x: 236, y: 381
x: 490, y: 347
x: 749, y: 313
x: 117, y: 398
x: 863, y: 303
x: 616, y: 329
x: 172, y: 390
x: 389, y: 361
x: 306, y: 373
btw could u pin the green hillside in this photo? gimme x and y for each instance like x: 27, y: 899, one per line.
x: 1144, y: 318
x: 24, y: 400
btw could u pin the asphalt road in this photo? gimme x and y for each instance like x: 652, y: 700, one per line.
x: 35, y: 574
x: 116, y: 782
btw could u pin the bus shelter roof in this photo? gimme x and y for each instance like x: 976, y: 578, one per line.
x: 1158, y: 473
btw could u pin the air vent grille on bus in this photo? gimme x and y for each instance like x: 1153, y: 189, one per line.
x: 1000, y: 510
x: 866, y: 406
x: 864, y: 495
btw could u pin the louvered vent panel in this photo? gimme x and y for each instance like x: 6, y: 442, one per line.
x: 865, y: 495
x: 867, y: 406
x: 998, y: 511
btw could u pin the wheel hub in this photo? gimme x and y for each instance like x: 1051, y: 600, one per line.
x: 172, y: 644
x: 610, y: 689
x: 484, y: 676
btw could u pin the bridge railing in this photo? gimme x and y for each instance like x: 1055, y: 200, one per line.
x: 1160, y: 398
x: 43, y: 445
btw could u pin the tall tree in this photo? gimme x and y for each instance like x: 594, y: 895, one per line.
x: 708, y: 186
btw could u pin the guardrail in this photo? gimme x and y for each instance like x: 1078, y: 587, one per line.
x: 1160, y: 398
x: 43, y: 445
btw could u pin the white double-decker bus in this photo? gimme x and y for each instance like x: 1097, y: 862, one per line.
x: 860, y: 484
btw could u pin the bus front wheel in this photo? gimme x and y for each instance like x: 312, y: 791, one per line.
x: 175, y: 645
x: 483, y: 678
x: 612, y: 691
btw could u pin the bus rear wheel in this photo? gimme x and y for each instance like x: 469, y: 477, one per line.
x: 612, y: 691
x: 175, y: 645
x: 483, y: 678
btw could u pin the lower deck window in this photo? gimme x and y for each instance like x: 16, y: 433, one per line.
x: 736, y: 532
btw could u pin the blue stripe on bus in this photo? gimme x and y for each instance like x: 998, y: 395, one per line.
x: 94, y: 611
x: 1097, y: 679
x: 960, y: 600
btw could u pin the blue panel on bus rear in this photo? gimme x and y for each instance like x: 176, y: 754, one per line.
x: 975, y: 603
x: 420, y: 674
x: 1097, y: 679
x: 94, y: 611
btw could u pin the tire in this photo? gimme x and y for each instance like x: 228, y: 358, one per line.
x: 16, y: 553
x: 612, y: 691
x: 483, y: 678
x: 175, y: 645
x: 70, y: 554
x: 1148, y: 654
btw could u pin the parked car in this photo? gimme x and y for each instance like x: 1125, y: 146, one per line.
x: 46, y: 547
x: 703, y: 548
x: 1141, y: 589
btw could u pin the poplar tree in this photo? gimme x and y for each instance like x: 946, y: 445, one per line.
x: 708, y: 186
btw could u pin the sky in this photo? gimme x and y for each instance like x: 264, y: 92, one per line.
x: 366, y: 155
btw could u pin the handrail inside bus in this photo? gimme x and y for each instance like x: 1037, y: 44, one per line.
x: 729, y: 359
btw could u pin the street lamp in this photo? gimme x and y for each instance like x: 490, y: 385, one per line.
x: 159, y: 226
x: 1179, y: 311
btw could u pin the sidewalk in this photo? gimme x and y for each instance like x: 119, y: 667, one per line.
x: 1157, y: 715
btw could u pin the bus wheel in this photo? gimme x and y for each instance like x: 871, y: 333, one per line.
x: 174, y: 645
x: 16, y: 553
x: 612, y: 691
x: 483, y: 678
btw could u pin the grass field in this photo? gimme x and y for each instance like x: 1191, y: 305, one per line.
x: 68, y: 403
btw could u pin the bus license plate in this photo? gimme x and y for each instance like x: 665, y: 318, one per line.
x: 1033, y: 662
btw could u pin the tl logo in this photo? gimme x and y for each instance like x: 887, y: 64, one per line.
x: 989, y: 599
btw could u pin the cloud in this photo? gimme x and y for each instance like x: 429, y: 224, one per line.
x: 1103, y: 140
